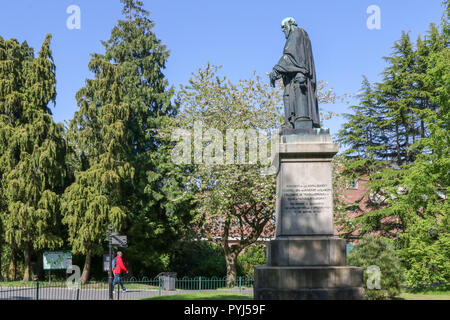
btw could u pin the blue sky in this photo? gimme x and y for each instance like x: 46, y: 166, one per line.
x: 242, y: 36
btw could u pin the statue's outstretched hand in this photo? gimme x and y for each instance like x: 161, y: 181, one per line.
x: 273, y: 78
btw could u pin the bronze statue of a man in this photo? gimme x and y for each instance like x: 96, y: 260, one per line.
x: 296, y: 67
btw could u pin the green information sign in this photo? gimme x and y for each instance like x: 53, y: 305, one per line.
x: 54, y: 260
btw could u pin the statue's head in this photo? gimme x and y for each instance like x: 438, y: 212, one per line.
x: 287, y: 25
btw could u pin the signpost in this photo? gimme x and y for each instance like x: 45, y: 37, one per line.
x: 121, y: 241
x: 110, y: 264
x: 114, y: 239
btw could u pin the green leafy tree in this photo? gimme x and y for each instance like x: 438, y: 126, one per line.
x: 32, y: 151
x: 413, y: 195
x: 424, y: 245
x: 378, y: 135
x: 365, y: 137
x: 234, y: 198
x: 379, y: 252
x: 399, y: 107
x: 253, y: 256
x: 413, y: 186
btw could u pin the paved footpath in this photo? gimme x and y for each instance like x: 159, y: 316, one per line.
x: 71, y: 294
x: 17, y: 293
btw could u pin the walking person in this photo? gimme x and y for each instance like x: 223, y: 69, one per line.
x: 117, y: 270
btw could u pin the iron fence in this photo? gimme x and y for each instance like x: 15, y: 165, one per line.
x: 136, y: 289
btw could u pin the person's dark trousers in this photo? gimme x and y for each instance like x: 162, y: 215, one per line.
x: 118, y: 279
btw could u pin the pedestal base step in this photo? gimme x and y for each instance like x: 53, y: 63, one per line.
x: 308, y: 277
x: 307, y: 251
x: 309, y: 294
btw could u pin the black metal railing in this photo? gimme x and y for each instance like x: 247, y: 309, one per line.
x: 136, y: 289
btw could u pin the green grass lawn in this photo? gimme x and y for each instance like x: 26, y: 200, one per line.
x: 141, y: 286
x: 426, y: 294
x: 419, y: 296
x: 217, y: 295
x: 236, y: 288
x: 204, y: 296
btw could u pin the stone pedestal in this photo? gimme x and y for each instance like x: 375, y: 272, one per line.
x: 306, y: 260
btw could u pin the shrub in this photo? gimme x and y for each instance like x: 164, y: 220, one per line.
x: 377, y: 251
x: 255, y: 255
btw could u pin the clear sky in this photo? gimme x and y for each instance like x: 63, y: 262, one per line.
x: 242, y: 36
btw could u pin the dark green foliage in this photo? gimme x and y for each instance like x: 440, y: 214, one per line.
x: 9, y: 261
x: 363, y: 133
x: 396, y: 95
x: 253, y: 256
x: 197, y: 258
x: 380, y: 252
x: 425, y: 244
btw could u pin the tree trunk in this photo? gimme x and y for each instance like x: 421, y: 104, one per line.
x: 12, y: 273
x: 12, y: 270
x: 27, y: 266
x: 86, y: 269
x: 406, y: 141
x: 231, y: 260
x: 399, y: 158
x: 1, y: 269
x: 422, y: 128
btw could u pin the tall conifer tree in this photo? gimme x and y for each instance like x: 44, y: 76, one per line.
x: 396, y: 94
x: 33, y: 150
x: 363, y: 132
x: 96, y: 198
x: 150, y: 205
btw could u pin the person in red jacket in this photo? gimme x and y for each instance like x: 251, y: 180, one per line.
x: 118, y: 271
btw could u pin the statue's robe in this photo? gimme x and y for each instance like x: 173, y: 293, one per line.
x: 300, y: 99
